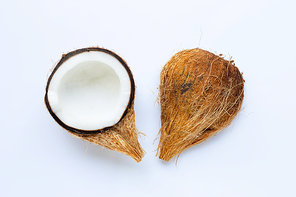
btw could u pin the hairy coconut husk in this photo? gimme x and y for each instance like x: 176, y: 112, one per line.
x: 122, y: 137
x: 200, y: 94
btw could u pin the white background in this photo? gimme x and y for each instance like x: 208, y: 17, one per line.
x: 255, y: 156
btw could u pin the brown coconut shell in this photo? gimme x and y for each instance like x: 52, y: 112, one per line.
x: 200, y: 94
x: 122, y: 136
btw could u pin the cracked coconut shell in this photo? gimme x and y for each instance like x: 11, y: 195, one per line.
x: 90, y: 93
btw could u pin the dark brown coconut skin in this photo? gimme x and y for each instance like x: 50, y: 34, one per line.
x: 200, y: 94
x: 67, y: 56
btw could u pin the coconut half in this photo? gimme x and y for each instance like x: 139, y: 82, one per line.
x: 89, y: 93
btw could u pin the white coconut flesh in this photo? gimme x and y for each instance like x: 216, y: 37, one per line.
x: 90, y: 91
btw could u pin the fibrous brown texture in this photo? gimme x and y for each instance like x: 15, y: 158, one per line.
x: 122, y: 137
x: 200, y: 94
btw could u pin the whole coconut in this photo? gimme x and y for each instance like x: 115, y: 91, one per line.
x: 200, y: 94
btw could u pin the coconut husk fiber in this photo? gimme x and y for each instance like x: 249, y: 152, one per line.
x: 122, y: 137
x: 200, y: 94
